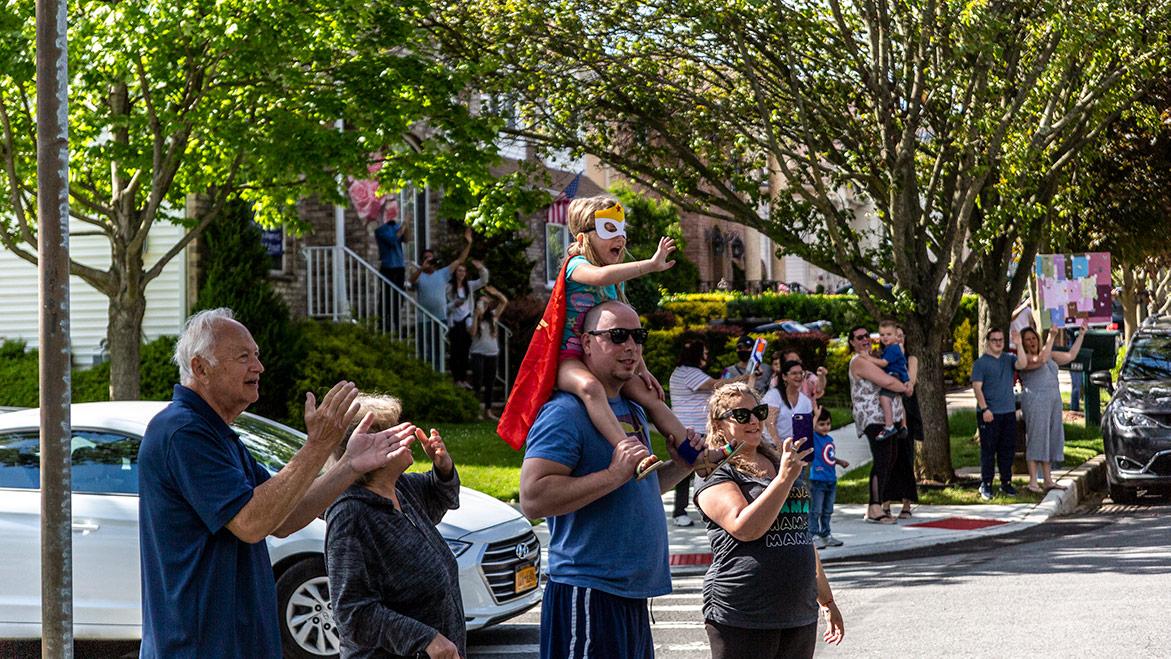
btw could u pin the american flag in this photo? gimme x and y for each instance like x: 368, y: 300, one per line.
x: 559, y: 209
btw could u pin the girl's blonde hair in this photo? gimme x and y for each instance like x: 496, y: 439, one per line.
x: 723, y: 400
x: 581, y: 221
x: 386, y: 411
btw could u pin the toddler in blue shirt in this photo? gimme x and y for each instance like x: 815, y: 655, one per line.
x: 823, y: 482
x: 894, y: 363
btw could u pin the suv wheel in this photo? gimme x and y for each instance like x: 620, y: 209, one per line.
x: 1122, y: 494
x: 307, y: 625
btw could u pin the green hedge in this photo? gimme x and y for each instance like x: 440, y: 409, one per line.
x: 661, y: 351
x: 348, y: 351
x: 19, y: 370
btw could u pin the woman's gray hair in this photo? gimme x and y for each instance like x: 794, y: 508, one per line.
x: 197, y: 339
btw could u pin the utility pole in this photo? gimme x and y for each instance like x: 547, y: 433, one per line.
x: 53, y: 253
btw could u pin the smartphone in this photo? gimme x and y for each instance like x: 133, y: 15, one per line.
x: 803, y: 433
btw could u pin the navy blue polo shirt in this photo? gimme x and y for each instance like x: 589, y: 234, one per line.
x: 205, y: 592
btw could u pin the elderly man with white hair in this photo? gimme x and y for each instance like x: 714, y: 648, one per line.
x: 206, y: 505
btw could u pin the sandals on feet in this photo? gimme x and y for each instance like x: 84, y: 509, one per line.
x: 1033, y: 487
x: 1055, y: 486
x: 704, y: 467
x: 648, y: 466
x: 904, y: 514
x: 881, y: 519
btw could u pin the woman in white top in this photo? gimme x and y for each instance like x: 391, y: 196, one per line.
x: 691, y: 388
x: 785, y: 400
x: 485, y: 345
x: 461, y: 296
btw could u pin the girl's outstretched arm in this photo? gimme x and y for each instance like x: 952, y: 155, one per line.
x: 607, y: 275
x: 575, y: 378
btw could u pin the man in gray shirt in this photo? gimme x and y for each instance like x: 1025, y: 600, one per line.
x: 992, y: 381
x: 431, y: 286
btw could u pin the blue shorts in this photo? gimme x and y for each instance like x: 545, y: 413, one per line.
x: 584, y: 622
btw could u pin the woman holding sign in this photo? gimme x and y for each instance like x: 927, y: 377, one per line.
x: 762, y: 593
x: 393, y: 581
x: 1041, y: 401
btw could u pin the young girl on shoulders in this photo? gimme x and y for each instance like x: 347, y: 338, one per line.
x: 595, y: 273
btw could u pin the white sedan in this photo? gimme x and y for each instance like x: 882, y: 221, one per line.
x: 498, y: 554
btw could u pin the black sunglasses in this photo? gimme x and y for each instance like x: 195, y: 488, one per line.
x: 742, y: 414
x: 859, y: 337
x: 619, y: 334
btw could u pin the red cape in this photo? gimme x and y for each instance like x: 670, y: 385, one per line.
x: 538, y: 371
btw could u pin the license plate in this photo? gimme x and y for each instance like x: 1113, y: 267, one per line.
x: 525, y: 578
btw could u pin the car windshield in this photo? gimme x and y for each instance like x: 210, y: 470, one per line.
x: 272, y: 445
x: 1148, y: 358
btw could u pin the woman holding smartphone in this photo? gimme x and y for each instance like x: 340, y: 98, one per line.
x: 785, y: 400
x: 762, y: 593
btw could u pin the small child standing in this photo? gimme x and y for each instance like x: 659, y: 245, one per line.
x: 894, y: 362
x: 823, y: 482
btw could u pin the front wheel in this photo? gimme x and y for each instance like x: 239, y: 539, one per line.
x: 307, y: 625
x: 1122, y: 494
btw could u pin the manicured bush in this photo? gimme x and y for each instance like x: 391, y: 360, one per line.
x: 837, y: 379
x: 843, y: 311
x: 660, y: 320
x: 963, y: 343
x: 661, y: 351
x: 349, y: 351
x: 696, y: 309
x: 18, y: 374
x: 19, y: 367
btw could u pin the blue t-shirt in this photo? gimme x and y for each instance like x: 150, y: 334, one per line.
x: 390, y: 245
x: 579, y: 298
x: 618, y: 543
x: 824, y: 467
x: 205, y: 592
x: 997, y: 376
x: 896, y: 362
x: 432, y: 290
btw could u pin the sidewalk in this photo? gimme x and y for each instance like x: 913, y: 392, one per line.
x: 929, y: 525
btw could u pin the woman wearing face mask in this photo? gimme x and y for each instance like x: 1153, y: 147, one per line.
x: 764, y: 374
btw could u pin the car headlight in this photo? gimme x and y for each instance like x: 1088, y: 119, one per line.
x: 457, y: 547
x: 1129, y: 419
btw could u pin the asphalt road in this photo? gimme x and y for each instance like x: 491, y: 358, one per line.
x: 1092, y: 584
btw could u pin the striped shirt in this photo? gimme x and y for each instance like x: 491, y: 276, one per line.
x: 688, y: 402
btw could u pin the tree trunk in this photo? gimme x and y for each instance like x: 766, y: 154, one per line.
x: 1128, y: 296
x: 925, y: 341
x: 124, y: 337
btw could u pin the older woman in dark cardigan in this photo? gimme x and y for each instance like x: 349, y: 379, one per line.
x: 393, y: 581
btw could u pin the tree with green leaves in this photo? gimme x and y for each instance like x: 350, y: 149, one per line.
x: 895, y: 144
x: 235, y: 97
x: 647, y: 220
x: 1119, y: 201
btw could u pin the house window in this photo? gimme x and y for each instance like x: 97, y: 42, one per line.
x: 556, y: 243
x: 412, y: 208
x: 274, y: 245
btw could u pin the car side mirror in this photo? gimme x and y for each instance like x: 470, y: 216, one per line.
x: 1102, y: 379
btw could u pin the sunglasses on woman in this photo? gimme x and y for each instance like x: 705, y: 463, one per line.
x: 743, y: 414
x: 619, y: 335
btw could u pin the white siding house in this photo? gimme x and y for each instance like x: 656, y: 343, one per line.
x: 88, y: 309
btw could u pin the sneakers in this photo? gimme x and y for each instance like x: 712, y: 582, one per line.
x: 683, y: 520
x: 819, y: 542
x: 986, y: 491
x: 831, y: 541
x: 888, y: 432
x: 1008, y: 490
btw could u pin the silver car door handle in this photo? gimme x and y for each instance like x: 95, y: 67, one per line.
x: 85, y: 528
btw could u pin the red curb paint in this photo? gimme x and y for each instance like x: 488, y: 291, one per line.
x: 959, y: 524
x: 691, y: 559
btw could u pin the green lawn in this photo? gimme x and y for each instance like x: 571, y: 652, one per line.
x: 489, y: 465
x: 1081, y: 444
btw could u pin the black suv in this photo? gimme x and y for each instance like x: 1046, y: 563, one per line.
x: 1136, y: 426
